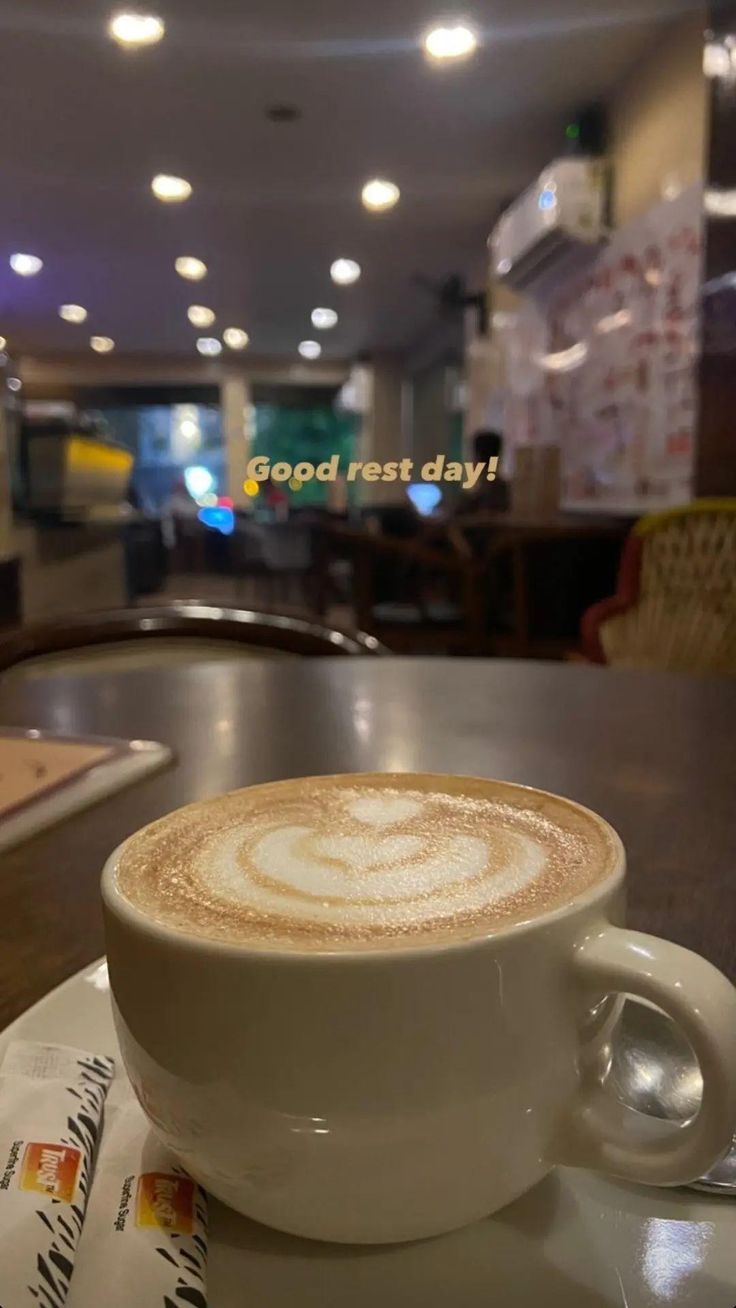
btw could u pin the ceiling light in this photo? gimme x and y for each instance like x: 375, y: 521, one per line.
x: 73, y: 313
x: 235, y: 338
x: 193, y: 270
x: 209, y: 346
x: 324, y: 319
x: 102, y: 344
x: 444, y: 43
x: 14, y: 384
x: 26, y: 265
x: 344, y: 272
x: 172, y: 190
x: 379, y: 195
x: 199, y: 316
x: 310, y: 349
x: 131, y: 30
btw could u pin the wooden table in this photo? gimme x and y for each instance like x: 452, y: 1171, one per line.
x: 654, y: 754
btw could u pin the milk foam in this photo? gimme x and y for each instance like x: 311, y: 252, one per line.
x: 351, y: 861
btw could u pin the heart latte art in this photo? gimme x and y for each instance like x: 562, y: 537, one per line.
x: 359, y: 861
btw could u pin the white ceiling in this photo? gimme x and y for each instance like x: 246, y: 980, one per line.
x: 86, y: 125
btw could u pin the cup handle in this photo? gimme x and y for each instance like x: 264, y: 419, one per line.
x: 605, y: 1135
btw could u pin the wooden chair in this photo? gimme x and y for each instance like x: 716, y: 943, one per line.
x: 10, y: 590
x: 276, y: 565
x: 416, y: 597
x: 540, y: 579
x: 675, y: 606
x: 200, y: 628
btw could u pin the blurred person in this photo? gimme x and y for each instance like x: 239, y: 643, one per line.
x: 179, y: 506
x: 400, y: 521
x: 488, y: 496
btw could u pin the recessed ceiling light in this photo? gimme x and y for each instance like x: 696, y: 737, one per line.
x: 132, y: 30
x: 209, y: 346
x: 380, y: 195
x: 235, y: 338
x: 26, y: 265
x: 200, y: 316
x: 344, y: 272
x: 193, y: 270
x: 456, y: 42
x: 73, y: 313
x: 310, y: 349
x: 324, y: 319
x: 102, y: 344
x: 14, y: 384
x: 172, y: 190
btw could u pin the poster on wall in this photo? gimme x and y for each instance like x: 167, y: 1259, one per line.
x: 605, y: 364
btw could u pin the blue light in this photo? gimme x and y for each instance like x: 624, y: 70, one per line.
x: 425, y: 497
x: 547, y: 199
x: 218, y: 519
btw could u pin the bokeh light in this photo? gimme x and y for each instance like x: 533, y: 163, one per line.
x: 198, y: 480
x: 218, y: 518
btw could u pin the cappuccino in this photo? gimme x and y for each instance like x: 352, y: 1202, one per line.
x: 356, y: 862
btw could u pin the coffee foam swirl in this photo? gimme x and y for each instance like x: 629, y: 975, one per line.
x: 350, y: 861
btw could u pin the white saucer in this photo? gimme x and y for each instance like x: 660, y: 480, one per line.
x: 577, y: 1241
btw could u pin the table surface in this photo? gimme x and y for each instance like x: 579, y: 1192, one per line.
x: 655, y: 754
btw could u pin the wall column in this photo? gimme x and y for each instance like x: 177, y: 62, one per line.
x: 235, y: 401
x: 384, y: 432
x: 715, y: 459
x: 5, y: 503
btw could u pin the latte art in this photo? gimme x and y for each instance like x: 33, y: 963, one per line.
x: 360, y: 861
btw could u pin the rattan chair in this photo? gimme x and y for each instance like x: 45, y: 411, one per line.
x: 676, y: 601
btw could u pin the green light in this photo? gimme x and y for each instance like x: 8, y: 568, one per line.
x: 572, y: 131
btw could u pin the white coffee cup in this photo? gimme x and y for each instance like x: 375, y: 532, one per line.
x: 387, y: 1095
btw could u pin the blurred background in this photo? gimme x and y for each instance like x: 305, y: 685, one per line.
x: 301, y: 231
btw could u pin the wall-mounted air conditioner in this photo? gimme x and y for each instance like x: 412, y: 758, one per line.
x: 562, y: 214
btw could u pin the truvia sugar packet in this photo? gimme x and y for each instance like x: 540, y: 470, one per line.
x: 144, y: 1243
x: 51, y: 1100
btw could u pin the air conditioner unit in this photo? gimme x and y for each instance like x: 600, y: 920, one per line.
x: 561, y: 215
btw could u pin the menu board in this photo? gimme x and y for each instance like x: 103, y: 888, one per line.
x: 604, y: 363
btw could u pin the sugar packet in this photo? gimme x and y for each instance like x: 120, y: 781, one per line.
x: 51, y: 1101
x: 145, y: 1237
